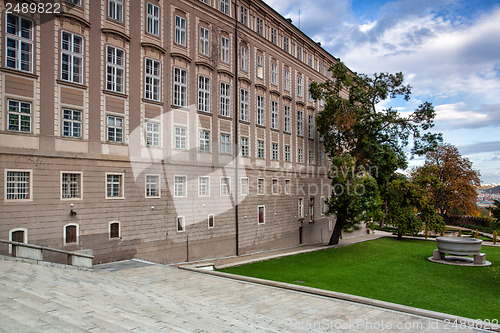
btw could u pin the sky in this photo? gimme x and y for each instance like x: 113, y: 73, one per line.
x: 448, y: 50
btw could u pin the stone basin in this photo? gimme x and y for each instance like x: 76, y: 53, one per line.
x: 459, y: 246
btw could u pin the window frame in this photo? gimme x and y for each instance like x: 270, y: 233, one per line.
x: 261, y: 186
x: 79, y: 185
x: 115, y: 10
x: 244, y: 105
x: 243, y: 187
x: 180, y: 88
x: 274, y: 151
x: 152, y: 133
x: 300, y: 123
x: 263, y: 214
x: 244, y: 56
x: 274, y: 73
x: 211, y: 225
x: 153, y: 19
x: 20, y: 42
x: 182, y: 223
x: 119, y: 230
x: 204, y: 41
x: 225, y: 50
x: 261, y: 149
x: 274, y: 115
x: 288, y: 153
x: 204, y: 140
x: 152, y: 79
x: 116, y: 129
x: 28, y: 187
x: 65, y: 234
x: 115, y: 69
x: 207, y: 193
x: 177, y: 193
x: 261, y: 116
x: 245, y: 146
x: 225, y: 99
x: 226, y: 186
x: 225, y: 144
x: 203, y: 93
x: 72, y: 55
x: 147, y: 186
x: 180, y: 137
x: 275, y: 186
x: 71, y: 123
x: 19, y: 115
x: 180, y: 30
x: 121, y: 184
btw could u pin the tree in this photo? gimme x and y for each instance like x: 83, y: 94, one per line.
x: 450, y: 181
x: 495, y: 212
x: 363, y: 139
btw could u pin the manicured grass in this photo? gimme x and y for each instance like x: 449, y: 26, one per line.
x: 395, y: 271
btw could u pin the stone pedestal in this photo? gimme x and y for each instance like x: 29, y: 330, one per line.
x: 480, y: 259
x: 436, y: 255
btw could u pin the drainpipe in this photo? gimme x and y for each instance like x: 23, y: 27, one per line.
x: 235, y: 120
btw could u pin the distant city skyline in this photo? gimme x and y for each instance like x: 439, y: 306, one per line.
x: 449, y: 51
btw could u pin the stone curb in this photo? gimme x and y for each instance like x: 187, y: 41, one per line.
x: 44, y: 263
x: 353, y: 298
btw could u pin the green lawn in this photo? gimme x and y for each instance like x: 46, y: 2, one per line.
x: 395, y: 271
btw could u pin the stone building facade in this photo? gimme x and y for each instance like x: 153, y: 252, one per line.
x: 163, y: 130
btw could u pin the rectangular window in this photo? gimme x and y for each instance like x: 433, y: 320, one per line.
x: 244, y: 186
x: 180, y: 87
x: 274, y: 115
x: 309, y: 94
x: 275, y: 152
x: 261, y: 210
x: 286, y: 43
x: 71, y: 57
x: 261, y: 149
x: 19, y: 114
x: 180, y: 137
x: 310, y: 124
x: 152, y: 79
x: 224, y: 6
x: 114, y: 230
x: 75, y: 2
x: 287, y: 186
x: 300, y: 155
x: 153, y: 19
x: 204, y: 41
x: 224, y: 49
x: 286, y: 76
x: 115, y: 69
x: 152, y: 186
x: 259, y: 26
x: 18, y: 185
x: 320, y: 67
x: 211, y: 222
x: 260, y: 186
x: 71, y: 123
x: 300, y: 123
x: 244, y: 58
x: 311, y: 210
x: 275, y: 186
x: 274, y: 38
x: 322, y: 205
x: 261, y: 117
x: 301, y: 208
x: 181, y: 224
x: 180, y: 31
x: 115, y: 10
x: 224, y: 186
x: 243, y: 15
x: 204, y: 145
x: 309, y: 60
x: 299, y: 52
x: 274, y: 73
x: 152, y: 134
x: 114, y: 186
x: 299, y: 86
x: 287, y: 120
x: 203, y: 94
x: 225, y: 144
x: 203, y: 186
x: 70, y: 234
x: 260, y: 67
x: 244, y: 105
x: 71, y: 185
x: 311, y: 157
x: 244, y: 147
x: 225, y: 99
x: 115, y: 129
x: 288, y: 157
x: 19, y: 43
x: 180, y: 186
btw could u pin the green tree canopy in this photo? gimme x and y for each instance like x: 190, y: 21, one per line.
x: 360, y: 137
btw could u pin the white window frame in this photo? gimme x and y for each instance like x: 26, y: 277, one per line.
x: 224, y: 49
x: 261, y: 149
x: 115, y: 69
x: 274, y: 37
x: 225, y: 99
x: 300, y: 155
x: 244, y: 58
x: 275, y: 151
x: 113, y: 183
x: 152, y: 133
x: 224, y: 6
x: 261, y: 186
x: 260, y: 66
x: 225, y: 144
x: 180, y: 31
x: 309, y: 94
x: 152, y: 79
x: 310, y: 159
x: 243, y: 15
x: 288, y: 153
x: 70, y: 121
x: 300, y: 123
x: 245, y: 186
x: 204, y: 41
x: 21, y: 118
x: 244, y: 105
x: 149, y: 185
x: 310, y: 126
x: 300, y: 208
x: 299, y: 52
x: 74, y: 54
x: 25, y: 236
x: 180, y: 186
x: 203, y: 93
x: 264, y: 214
x: 117, y: 130
x: 286, y: 79
x: 181, y: 224
x: 274, y: 73
x: 23, y: 44
x: 225, y: 188
x: 115, y: 10
x: 245, y: 146
x: 72, y: 224
x: 213, y: 221
x: 79, y: 185
x: 119, y: 230
x: 287, y: 119
x: 153, y: 19
x: 299, y: 86
x: 287, y: 186
x: 259, y: 26
x: 286, y: 43
x: 274, y: 115
x: 205, y: 186
x: 275, y: 186
x: 204, y: 140
x: 16, y: 182
x: 180, y: 137
x: 322, y: 205
x: 261, y: 117
x: 180, y: 87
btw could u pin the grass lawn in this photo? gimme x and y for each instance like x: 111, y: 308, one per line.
x: 395, y: 271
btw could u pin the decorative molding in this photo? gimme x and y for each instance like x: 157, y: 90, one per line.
x: 205, y: 64
x: 77, y: 18
x: 154, y: 46
x: 180, y: 55
x: 116, y: 32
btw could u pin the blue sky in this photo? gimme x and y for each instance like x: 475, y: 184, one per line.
x: 449, y: 51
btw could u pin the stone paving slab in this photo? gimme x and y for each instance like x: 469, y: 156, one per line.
x: 159, y: 298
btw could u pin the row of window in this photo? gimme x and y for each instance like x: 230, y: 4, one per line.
x: 19, y: 185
